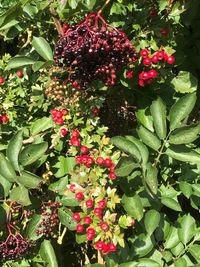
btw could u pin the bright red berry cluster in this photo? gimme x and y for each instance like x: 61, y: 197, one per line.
x: 58, y: 116
x: 93, y: 50
x: 4, y: 119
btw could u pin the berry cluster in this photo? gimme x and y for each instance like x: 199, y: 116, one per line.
x: 58, y: 115
x: 14, y: 247
x: 50, y: 219
x: 93, y: 50
x: 4, y: 119
x: 87, y: 159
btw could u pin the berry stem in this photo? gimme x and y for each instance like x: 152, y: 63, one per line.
x: 102, y: 8
x: 60, y: 238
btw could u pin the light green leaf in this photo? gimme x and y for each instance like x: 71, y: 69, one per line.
x: 171, y: 203
x: 143, y: 244
x: 73, y: 3
x: 185, y: 188
x: 149, y: 138
x: 181, y: 109
x: 151, y: 221
x: 6, y: 169
x: 184, y: 82
x: 125, y: 166
x: 133, y: 206
x: 145, y: 119
x: 29, y: 180
x: 20, y: 195
x: 185, y: 135
x: 5, y: 186
x: 69, y: 200
x: 41, y: 125
x: 20, y: 61
x: 194, y: 251
x: 65, y: 165
x: 172, y: 238
x: 66, y: 219
x: 158, y: 112
x: 187, y: 229
x: 42, y: 47
x: 147, y: 262
x: 47, y: 253
x: 14, y: 148
x: 180, y: 263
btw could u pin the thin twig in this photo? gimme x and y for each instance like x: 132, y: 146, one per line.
x: 102, y: 8
x: 56, y: 20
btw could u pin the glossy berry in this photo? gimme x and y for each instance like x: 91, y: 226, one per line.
x: 87, y: 220
x: 84, y: 149
x: 112, y: 167
x: 99, y: 245
x: 141, y: 83
x: 75, y: 133
x: 76, y: 217
x: 170, y: 60
x: 89, y: 237
x: 98, y: 211
x: 20, y: 73
x: 2, y: 80
x: 79, y: 228
x: 112, y: 247
x: 79, y: 196
x: 75, y: 142
x: 147, y: 61
x: 4, y: 119
x: 112, y: 176
x: 144, y: 75
x: 144, y: 53
x: 107, y: 162
x: 154, y: 59
x: 99, y: 160
x: 60, y: 121
x: 72, y: 187
x: 91, y: 231
x: 129, y: 74
x: 153, y: 13
x: 89, y: 203
x: 102, y: 204
x: 152, y: 73
x: 105, y: 249
x: 95, y: 111
x: 104, y: 226
x: 160, y: 55
x: 164, y: 31
x: 63, y: 131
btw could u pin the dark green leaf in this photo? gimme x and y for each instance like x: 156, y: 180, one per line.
x: 14, y: 148
x: 33, y: 226
x: 32, y: 152
x: 194, y: 251
x: 133, y: 206
x: 143, y: 245
x: 41, y: 125
x: 47, y: 253
x: 149, y: 138
x: 20, y: 195
x: 151, y: 221
x: 6, y: 169
x: 42, y: 47
x: 29, y: 180
x: 20, y: 61
x: 125, y: 166
x: 158, y: 112
x: 5, y: 186
x: 185, y: 135
x: 181, y: 109
x: 151, y: 178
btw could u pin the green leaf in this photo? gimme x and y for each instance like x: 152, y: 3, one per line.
x: 171, y: 203
x: 184, y: 82
x: 126, y: 146
x: 32, y: 152
x: 69, y: 200
x: 144, y: 117
x: 151, y: 178
x: 59, y: 186
x: 6, y: 169
x: 64, y: 165
x: 125, y: 166
x: 172, y: 238
x: 14, y: 148
x: 185, y: 135
x: 194, y: 251
x: 180, y: 263
x: 133, y: 206
x: 33, y: 226
x: 47, y: 253
x: 29, y: 180
x: 158, y: 112
x: 42, y: 47
x: 20, y: 61
x: 181, y: 109
x: 66, y: 219
x: 20, y: 195
x: 73, y: 3
x: 147, y: 262
x: 143, y: 245
x: 151, y: 221
x: 42, y: 65
x: 144, y: 152
x: 149, y: 138
x: 183, y: 153
x: 185, y: 188
x: 128, y: 264
x: 5, y: 186
x: 187, y: 229
x: 41, y: 125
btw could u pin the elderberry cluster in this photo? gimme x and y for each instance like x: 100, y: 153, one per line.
x: 50, y: 219
x: 14, y: 247
x: 93, y: 50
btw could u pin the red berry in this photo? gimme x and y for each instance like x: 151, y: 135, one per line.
x: 141, y: 83
x: 160, y: 55
x: 144, y: 75
x: 102, y: 204
x: 76, y: 217
x: 4, y: 119
x: 132, y: 221
x: 147, y: 61
x: 170, y: 60
x: 75, y: 142
x: 54, y: 111
x: 105, y: 249
x: 144, y: 53
x: 152, y: 73
x: 112, y: 176
x: 97, y: 211
x: 154, y: 59
x: 79, y: 228
x: 91, y: 231
x: 89, y: 203
x: 153, y: 13
x: 99, y: 245
x: 2, y: 80
x: 63, y: 131
x: 112, y: 247
x: 75, y: 133
x: 20, y: 73
x: 95, y: 111
x: 64, y: 112
x: 129, y: 74
x: 89, y: 237
x: 59, y: 113
x: 99, y: 160
x: 72, y: 187
x: 90, y: 160
x: 60, y: 121
x: 79, y: 159
x: 79, y: 196
x: 107, y: 162
x: 112, y: 167
x: 75, y: 84
x: 164, y: 31
x: 84, y: 149
x: 104, y: 226
x: 87, y: 220
x: 84, y: 159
